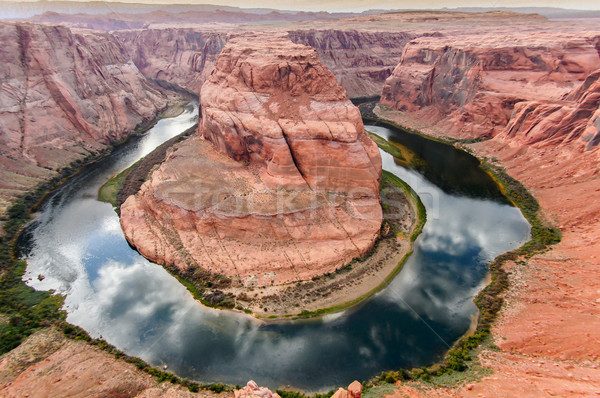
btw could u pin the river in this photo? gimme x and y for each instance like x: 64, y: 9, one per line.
x: 77, y: 244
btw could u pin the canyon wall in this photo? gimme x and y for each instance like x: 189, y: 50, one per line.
x: 469, y: 87
x: 573, y: 119
x: 64, y: 95
x: 533, y: 92
x: 182, y: 56
x: 293, y: 187
x: 361, y: 61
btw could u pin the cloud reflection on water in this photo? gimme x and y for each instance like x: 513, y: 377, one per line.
x: 139, y: 307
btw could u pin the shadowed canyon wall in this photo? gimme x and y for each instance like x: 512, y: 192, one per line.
x: 62, y: 96
x: 361, y: 61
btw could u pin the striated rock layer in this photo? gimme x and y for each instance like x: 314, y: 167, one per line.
x: 285, y: 184
x: 470, y: 86
x: 62, y: 96
x: 361, y: 61
x: 182, y: 56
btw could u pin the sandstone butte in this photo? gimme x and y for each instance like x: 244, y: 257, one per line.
x: 284, y: 184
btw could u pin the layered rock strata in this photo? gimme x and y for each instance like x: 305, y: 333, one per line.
x: 573, y: 119
x: 182, y: 56
x: 283, y: 187
x: 469, y: 87
x: 361, y: 61
x: 62, y: 96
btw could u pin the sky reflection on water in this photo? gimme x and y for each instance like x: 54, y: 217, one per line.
x: 77, y: 244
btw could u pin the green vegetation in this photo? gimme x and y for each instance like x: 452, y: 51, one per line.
x: 108, y: 192
x: 116, y: 190
x: 386, y: 146
x: 380, y: 390
x: 294, y: 394
x: 459, y: 362
x: 543, y: 235
x: 421, y: 214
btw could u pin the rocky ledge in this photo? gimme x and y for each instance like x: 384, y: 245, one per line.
x: 282, y: 185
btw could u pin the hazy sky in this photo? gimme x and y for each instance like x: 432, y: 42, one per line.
x: 360, y: 5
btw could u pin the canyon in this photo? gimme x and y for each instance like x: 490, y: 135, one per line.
x: 517, y: 90
x: 293, y: 174
x: 361, y: 61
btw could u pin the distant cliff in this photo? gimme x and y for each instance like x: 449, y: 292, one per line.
x: 182, y: 56
x: 361, y: 61
x: 475, y: 88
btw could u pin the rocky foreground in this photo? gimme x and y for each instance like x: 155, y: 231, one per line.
x: 284, y: 185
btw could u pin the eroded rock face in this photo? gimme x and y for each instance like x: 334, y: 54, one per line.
x: 64, y: 95
x: 285, y: 185
x: 361, y: 61
x: 572, y: 119
x: 252, y: 390
x: 469, y: 87
x: 278, y: 106
x: 182, y: 56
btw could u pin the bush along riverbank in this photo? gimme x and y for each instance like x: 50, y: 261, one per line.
x: 460, y: 362
x: 116, y: 190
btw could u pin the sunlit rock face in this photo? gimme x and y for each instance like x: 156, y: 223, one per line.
x: 276, y: 105
x: 469, y: 87
x: 284, y: 184
x: 573, y: 119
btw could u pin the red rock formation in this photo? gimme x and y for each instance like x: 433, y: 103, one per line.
x: 354, y: 391
x: 252, y: 390
x: 63, y: 95
x: 469, y: 87
x: 289, y: 115
x: 291, y: 191
x: 361, y: 61
x: 576, y: 117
